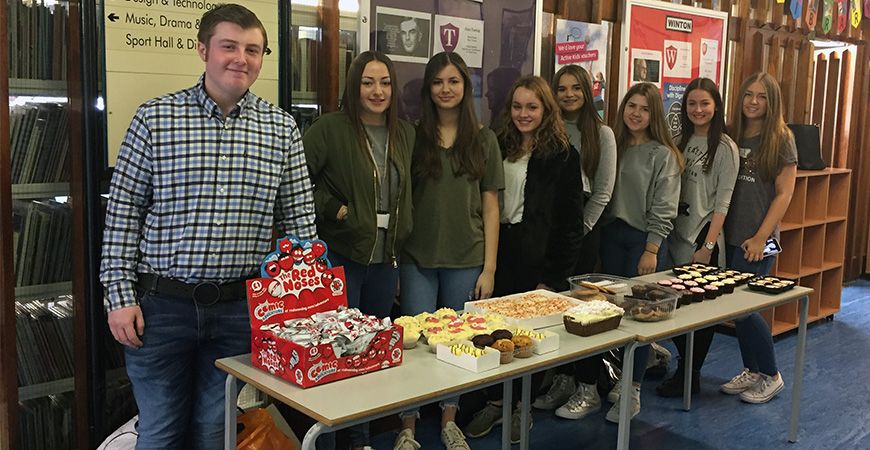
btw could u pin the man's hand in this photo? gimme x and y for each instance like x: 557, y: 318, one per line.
x: 647, y: 264
x: 127, y: 324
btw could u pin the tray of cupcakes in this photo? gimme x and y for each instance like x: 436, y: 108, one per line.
x: 771, y: 285
x: 642, y: 301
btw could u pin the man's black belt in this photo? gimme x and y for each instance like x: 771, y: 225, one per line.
x: 203, y: 293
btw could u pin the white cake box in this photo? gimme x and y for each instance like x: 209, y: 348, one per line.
x: 549, y: 343
x: 531, y: 323
x: 488, y: 361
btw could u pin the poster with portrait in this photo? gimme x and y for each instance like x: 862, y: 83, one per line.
x: 588, y: 46
x: 668, y: 45
x: 461, y: 36
x: 404, y: 35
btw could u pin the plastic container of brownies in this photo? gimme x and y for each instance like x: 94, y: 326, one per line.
x: 642, y: 301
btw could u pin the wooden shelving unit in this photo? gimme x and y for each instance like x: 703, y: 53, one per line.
x: 813, y: 238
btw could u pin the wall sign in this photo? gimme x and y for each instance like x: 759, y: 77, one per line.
x: 668, y: 45
x: 151, y: 50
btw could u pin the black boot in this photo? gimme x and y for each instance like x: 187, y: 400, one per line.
x: 673, y: 386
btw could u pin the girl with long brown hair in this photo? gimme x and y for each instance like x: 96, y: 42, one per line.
x: 450, y: 257
x: 644, y: 201
x: 765, y: 183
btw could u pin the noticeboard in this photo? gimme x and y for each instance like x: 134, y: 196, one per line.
x: 668, y: 45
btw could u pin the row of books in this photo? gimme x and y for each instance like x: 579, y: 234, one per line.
x: 39, y: 143
x: 44, y: 328
x: 37, y: 39
x: 46, y: 423
x: 41, y: 239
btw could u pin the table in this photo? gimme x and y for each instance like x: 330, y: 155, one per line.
x: 701, y: 315
x: 397, y: 389
x: 419, y: 380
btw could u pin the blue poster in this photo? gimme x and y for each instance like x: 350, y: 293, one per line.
x: 673, y: 103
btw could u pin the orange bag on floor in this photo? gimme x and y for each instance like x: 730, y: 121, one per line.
x: 257, y: 431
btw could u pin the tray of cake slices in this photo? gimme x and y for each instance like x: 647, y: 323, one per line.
x: 642, y: 301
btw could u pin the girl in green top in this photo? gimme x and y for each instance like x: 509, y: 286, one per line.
x: 457, y: 173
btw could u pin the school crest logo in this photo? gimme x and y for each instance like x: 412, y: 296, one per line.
x: 449, y: 34
x: 671, y: 56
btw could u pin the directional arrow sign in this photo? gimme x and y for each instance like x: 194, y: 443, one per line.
x: 113, y: 17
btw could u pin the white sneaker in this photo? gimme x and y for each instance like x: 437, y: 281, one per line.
x: 613, y: 414
x: 560, y: 391
x: 613, y: 395
x: 764, y: 390
x: 741, y: 382
x: 452, y: 438
x: 405, y: 441
x: 584, y: 402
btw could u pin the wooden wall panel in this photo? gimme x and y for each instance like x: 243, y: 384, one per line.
x: 829, y: 118
x: 327, y: 58
x: 844, y: 112
x: 804, y: 75
x: 819, y: 89
x: 788, y: 82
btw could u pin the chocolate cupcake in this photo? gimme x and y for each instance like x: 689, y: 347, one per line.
x: 665, y: 283
x: 690, y: 283
x: 502, y: 334
x: 730, y: 284
x: 710, y: 292
x: 482, y: 340
x: 697, y: 294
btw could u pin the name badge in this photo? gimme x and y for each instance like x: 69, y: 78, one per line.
x: 383, y: 220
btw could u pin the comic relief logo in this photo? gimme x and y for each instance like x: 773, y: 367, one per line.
x: 266, y: 310
x: 271, y: 361
x: 321, y: 370
x: 449, y: 36
x: 671, y: 56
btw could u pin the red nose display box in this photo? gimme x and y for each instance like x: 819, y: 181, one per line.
x: 297, y: 282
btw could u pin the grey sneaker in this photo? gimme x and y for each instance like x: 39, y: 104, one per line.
x: 764, y: 390
x: 515, y: 425
x: 560, y: 391
x: 483, y: 421
x: 741, y: 382
x: 613, y: 414
x: 613, y: 395
x: 584, y: 402
x: 405, y: 441
x: 452, y: 438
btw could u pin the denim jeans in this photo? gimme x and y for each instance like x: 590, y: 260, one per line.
x: 429, y: 289
x: 621, y: 248
x: 753, y: 334
x: 371, y: 288
x: 178, y: 389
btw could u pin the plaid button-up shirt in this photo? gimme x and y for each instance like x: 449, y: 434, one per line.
x: 195, y: 194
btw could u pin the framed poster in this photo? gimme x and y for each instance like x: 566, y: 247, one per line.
x: 588, y: 46
x: 668, y: 45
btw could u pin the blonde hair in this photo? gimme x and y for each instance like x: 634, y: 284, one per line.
x: 657, y: 129
x: 774, y: 131
x: 550, y: 137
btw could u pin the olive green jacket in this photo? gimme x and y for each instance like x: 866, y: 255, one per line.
x: 344, y: 174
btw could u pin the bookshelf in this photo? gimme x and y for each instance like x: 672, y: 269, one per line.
x: 813, y: 239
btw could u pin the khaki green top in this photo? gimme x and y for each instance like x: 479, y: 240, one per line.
x: 448, y: 212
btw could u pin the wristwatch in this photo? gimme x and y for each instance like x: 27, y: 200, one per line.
x: 710, y: 245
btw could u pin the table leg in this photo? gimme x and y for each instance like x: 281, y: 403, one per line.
x: 687, y: 372
x: 231, y: 398
x: 798, y: 371
x: 525, y: 411
x: 506, y: 409
x: 625, y: 396
x: 311, y: 436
